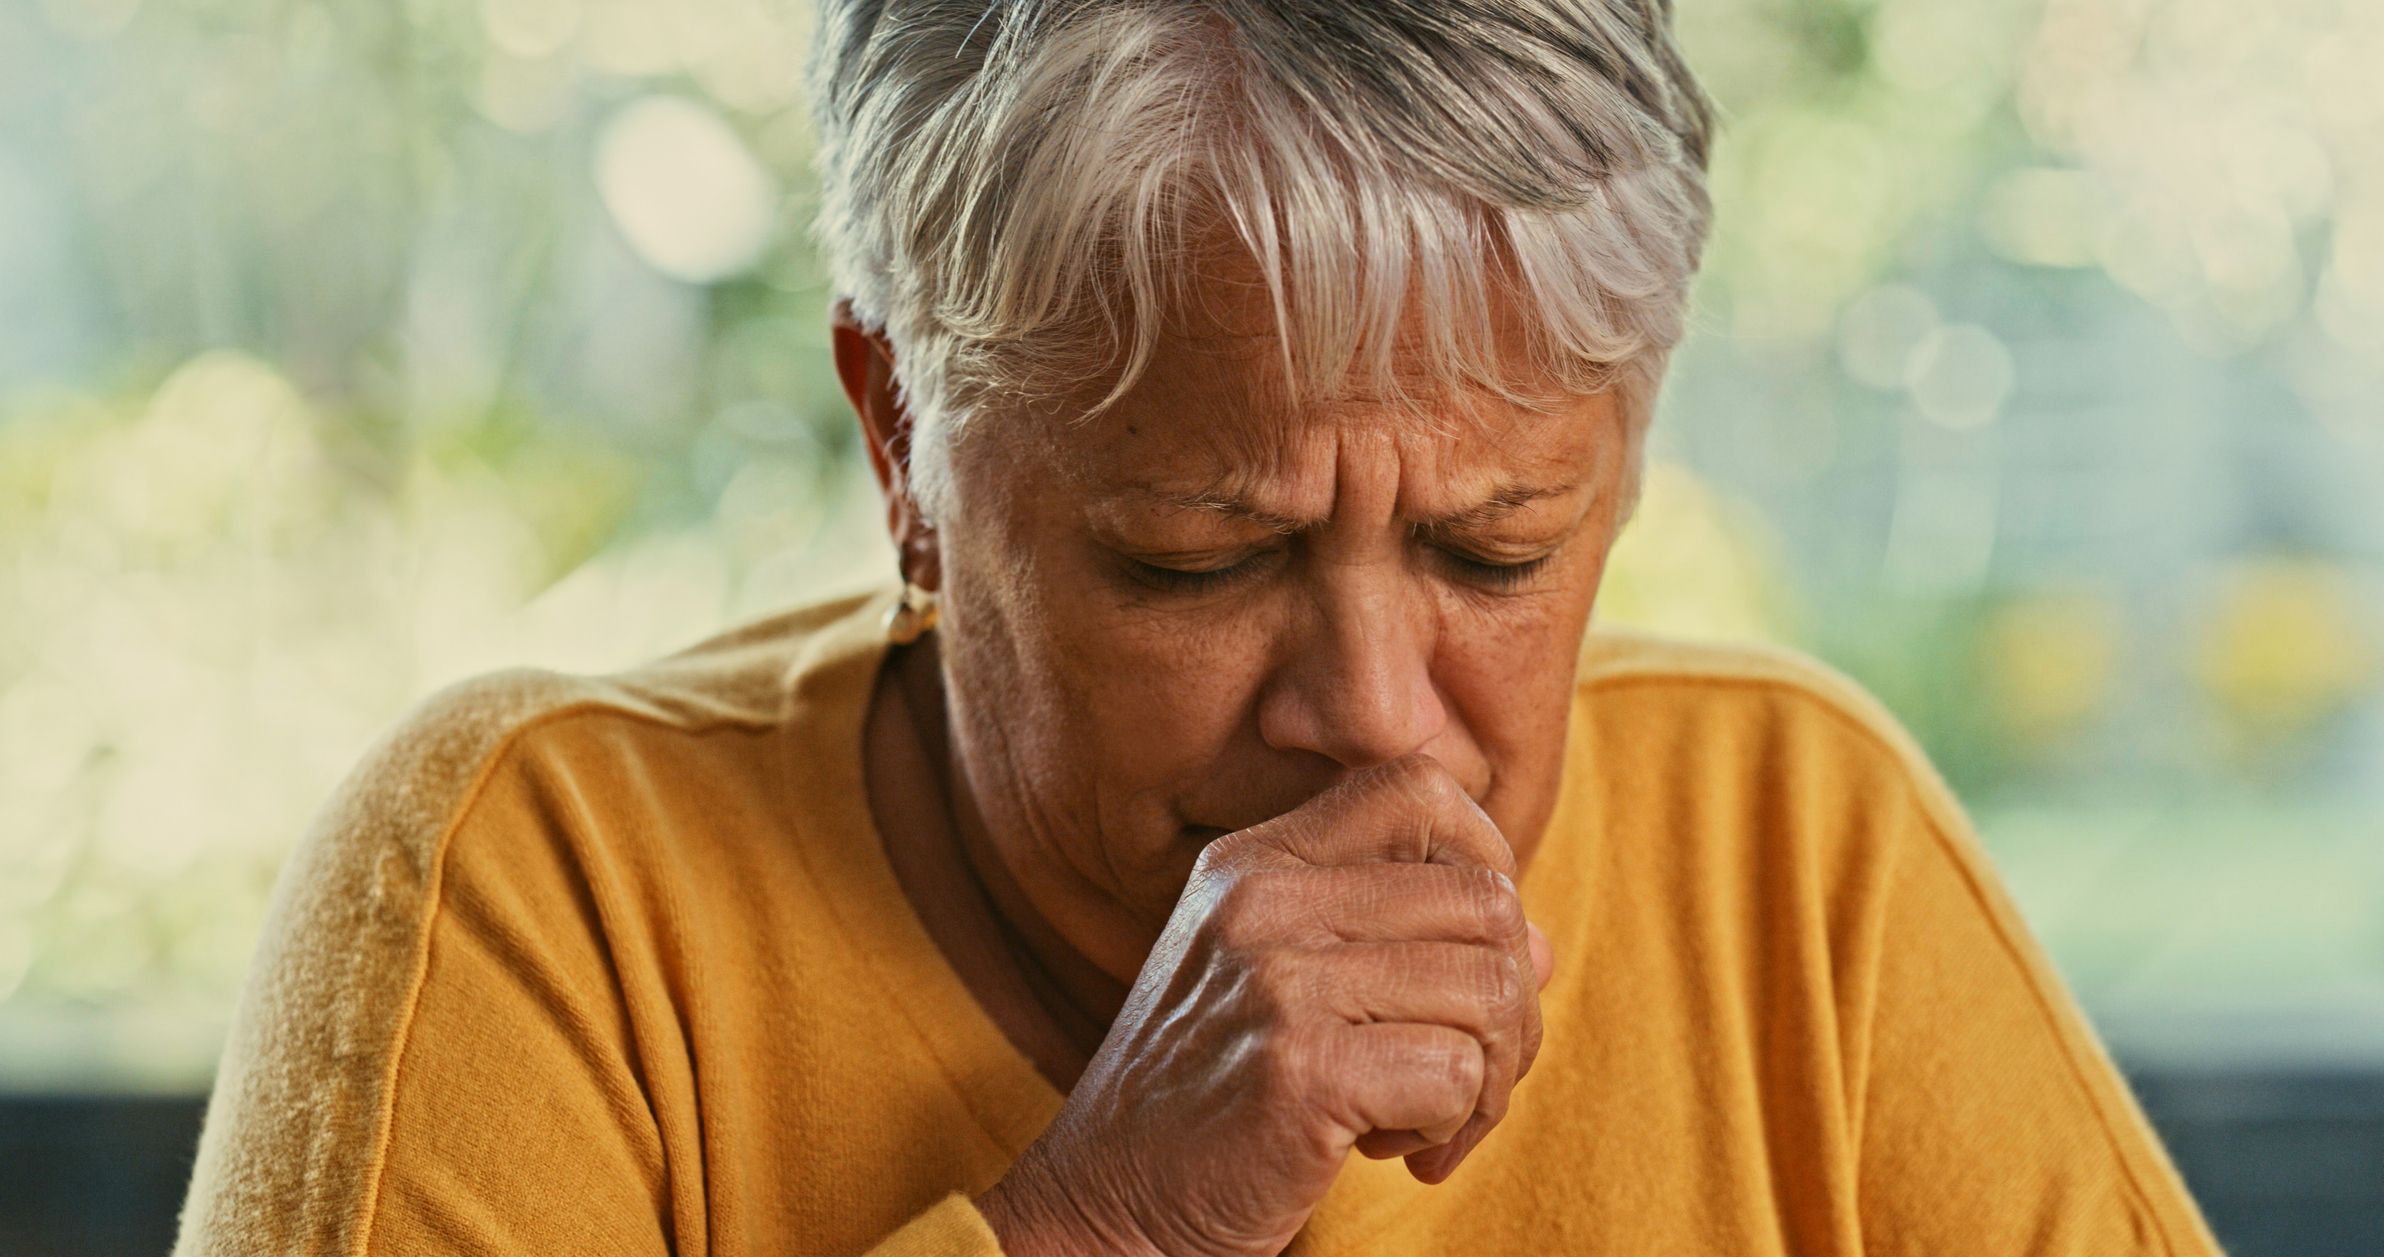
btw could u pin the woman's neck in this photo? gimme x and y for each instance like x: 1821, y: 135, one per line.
x: 1068, y: 1002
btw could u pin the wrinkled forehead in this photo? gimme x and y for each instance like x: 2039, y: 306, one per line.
x: 1211, y: 414
x: 1218, y: 404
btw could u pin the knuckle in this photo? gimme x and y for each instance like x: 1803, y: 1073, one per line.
x: 1415, y: 780
x: 1501, y: 907
x: 1501, y: 986
x: 1209, y: 863
x: 1244, y: 906
x: 1412, y: 770
x: 1222, y: 854
x: 1461, y: 1068
x: 1290, y: 1060
x: 1278, y: 981
x: 1428, y: 781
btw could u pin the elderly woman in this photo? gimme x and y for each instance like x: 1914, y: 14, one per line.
x: 1233, y: 783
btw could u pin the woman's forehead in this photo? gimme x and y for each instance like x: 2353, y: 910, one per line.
x: 1206, y: 432
x: 1215, y: 417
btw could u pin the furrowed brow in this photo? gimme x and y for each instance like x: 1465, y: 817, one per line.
x: 1505, y: 501
x: 1236, y: 508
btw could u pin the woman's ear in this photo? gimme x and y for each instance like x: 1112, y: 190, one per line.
x: 865, y: 365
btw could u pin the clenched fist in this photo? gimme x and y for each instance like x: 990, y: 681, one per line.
x: 1356, y: 973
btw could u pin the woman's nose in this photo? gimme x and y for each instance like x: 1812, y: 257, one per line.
x: 1353, y: 680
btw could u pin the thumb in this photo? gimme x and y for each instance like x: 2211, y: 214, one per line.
x: 1543, y: 955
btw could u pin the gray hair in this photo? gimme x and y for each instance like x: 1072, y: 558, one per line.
x: 1009, y: 186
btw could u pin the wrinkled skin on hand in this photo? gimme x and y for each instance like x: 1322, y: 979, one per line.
x: 1355, y: 974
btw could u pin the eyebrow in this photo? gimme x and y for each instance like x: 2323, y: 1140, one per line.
x: 1502, y: 502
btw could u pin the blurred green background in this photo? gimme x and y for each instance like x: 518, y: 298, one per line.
x: 347, y: 350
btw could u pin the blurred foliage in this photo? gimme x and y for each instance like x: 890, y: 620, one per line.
x: 2038, y: 382
x: 2281, y: 652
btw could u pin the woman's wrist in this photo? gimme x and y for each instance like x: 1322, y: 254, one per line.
x: 1033, y: 1218
x: 1017, y: 1223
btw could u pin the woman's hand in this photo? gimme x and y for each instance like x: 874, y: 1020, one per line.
x: 1356, y: 973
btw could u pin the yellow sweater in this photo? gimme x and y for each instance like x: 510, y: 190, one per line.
x: 577, y: 965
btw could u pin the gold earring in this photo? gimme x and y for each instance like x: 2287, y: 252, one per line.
x: 912, y: 618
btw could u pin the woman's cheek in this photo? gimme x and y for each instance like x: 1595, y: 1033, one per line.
x: 1188, y: 694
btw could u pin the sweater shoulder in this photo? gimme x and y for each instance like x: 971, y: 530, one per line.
x: 1734, y: 714
x: 411, y: 787
x: 299, y: 1108
x: 1740, y: 680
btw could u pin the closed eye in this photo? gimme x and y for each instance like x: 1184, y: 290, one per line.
x: 1195, y: 580
x: 1502, y: 576
x: 1485, y: 573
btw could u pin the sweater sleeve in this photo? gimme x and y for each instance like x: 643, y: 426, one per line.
x: 1991, y: 1118
x: 422, y: 1052
x: 540, y: 1090
x: 951, y: 1228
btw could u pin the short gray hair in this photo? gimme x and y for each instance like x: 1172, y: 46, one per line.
x: 1007, y: 187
